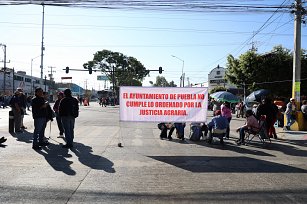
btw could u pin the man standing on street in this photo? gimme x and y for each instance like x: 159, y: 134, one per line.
x: 23, y: 106
x: 39, y: 113
x: 16, y: 108
x: 68, y: 110
x: 58, y: 117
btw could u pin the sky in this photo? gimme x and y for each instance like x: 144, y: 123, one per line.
x: 199, y: 40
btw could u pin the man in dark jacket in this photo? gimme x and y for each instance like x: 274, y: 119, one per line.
x: 15, y: 104
x: 68, y: 111
x: 58, y: 117
x: 39, y: 113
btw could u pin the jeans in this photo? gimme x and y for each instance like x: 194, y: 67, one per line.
x: 68, y: 125
x: 17, y: 119
x: 39, y: 130
x: 290, y: 120
x: 60, y: 125
x: 242, y: 134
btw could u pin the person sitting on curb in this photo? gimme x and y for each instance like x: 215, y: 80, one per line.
x: 218, y: 125
x: 2, y: 140
x: 251, y: 124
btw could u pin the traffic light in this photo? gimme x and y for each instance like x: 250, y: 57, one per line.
x: 160, y: 70
x: 67, y: 70
x: 90, y: 70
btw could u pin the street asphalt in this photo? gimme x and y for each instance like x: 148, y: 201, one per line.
x: 146, y: 169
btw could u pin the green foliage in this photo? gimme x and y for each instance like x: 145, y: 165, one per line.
x: 273, y: 71
x: 127, y: 70
x: 162, y: 82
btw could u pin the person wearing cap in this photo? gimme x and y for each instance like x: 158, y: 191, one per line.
x: 39, y: 114
x: 57, y: 115
x: 16, y: 108
x: 290, y: 113
x: 218, y: 122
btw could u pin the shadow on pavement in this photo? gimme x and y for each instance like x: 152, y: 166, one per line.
x: 23, y: 137
x: 205, y: 164
x: 287, y: 148
x: 55, y: 156
x: 85, y: 156
x: 232, y: 147
x: 3, y: 145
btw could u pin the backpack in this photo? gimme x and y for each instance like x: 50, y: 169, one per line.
x: 75, y: 108
x: 196, y: 133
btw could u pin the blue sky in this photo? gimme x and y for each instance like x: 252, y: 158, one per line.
x: 72, y: 35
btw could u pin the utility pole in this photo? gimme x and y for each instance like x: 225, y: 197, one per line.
x: 51, y: 73
x: 42, y: 45
x: 4, y: 67
x: 296, y: 82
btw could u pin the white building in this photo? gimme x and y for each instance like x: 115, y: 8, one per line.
x: 13, y: 80
x: 216, y: 78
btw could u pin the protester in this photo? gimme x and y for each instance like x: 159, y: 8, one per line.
x: 58, y: 117
x: 50, y: 113
x: 304, y: 109
x: 29, y: 99
x: 68, y: 110
x: 218, y: 122
x: 39, y: 114
x: 17, y: 110
x: 270, y: 111
x: 251, y: 124
x: 180, y: 130
x: 23, y: 106
x: 164, y: 127
x: 226, y: 112
x: 290, y: 113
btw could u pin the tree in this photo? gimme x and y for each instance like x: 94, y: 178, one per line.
x: 120, y: 69
x: 161, y: 81
x: 271, y: 71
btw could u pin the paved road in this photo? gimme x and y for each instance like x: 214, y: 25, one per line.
x: 147, y: 169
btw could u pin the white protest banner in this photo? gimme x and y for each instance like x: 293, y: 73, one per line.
x: 163, y: 104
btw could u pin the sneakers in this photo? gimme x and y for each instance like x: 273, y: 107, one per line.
x: 170, y: 138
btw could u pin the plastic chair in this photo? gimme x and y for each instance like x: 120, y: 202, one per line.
x: 261, y: 133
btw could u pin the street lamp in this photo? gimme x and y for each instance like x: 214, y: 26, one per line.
x: 31, y: 72
x: 182, y: 74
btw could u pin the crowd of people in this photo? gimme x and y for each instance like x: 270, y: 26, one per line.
x: 65, y: 110
x: 266, y: 111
